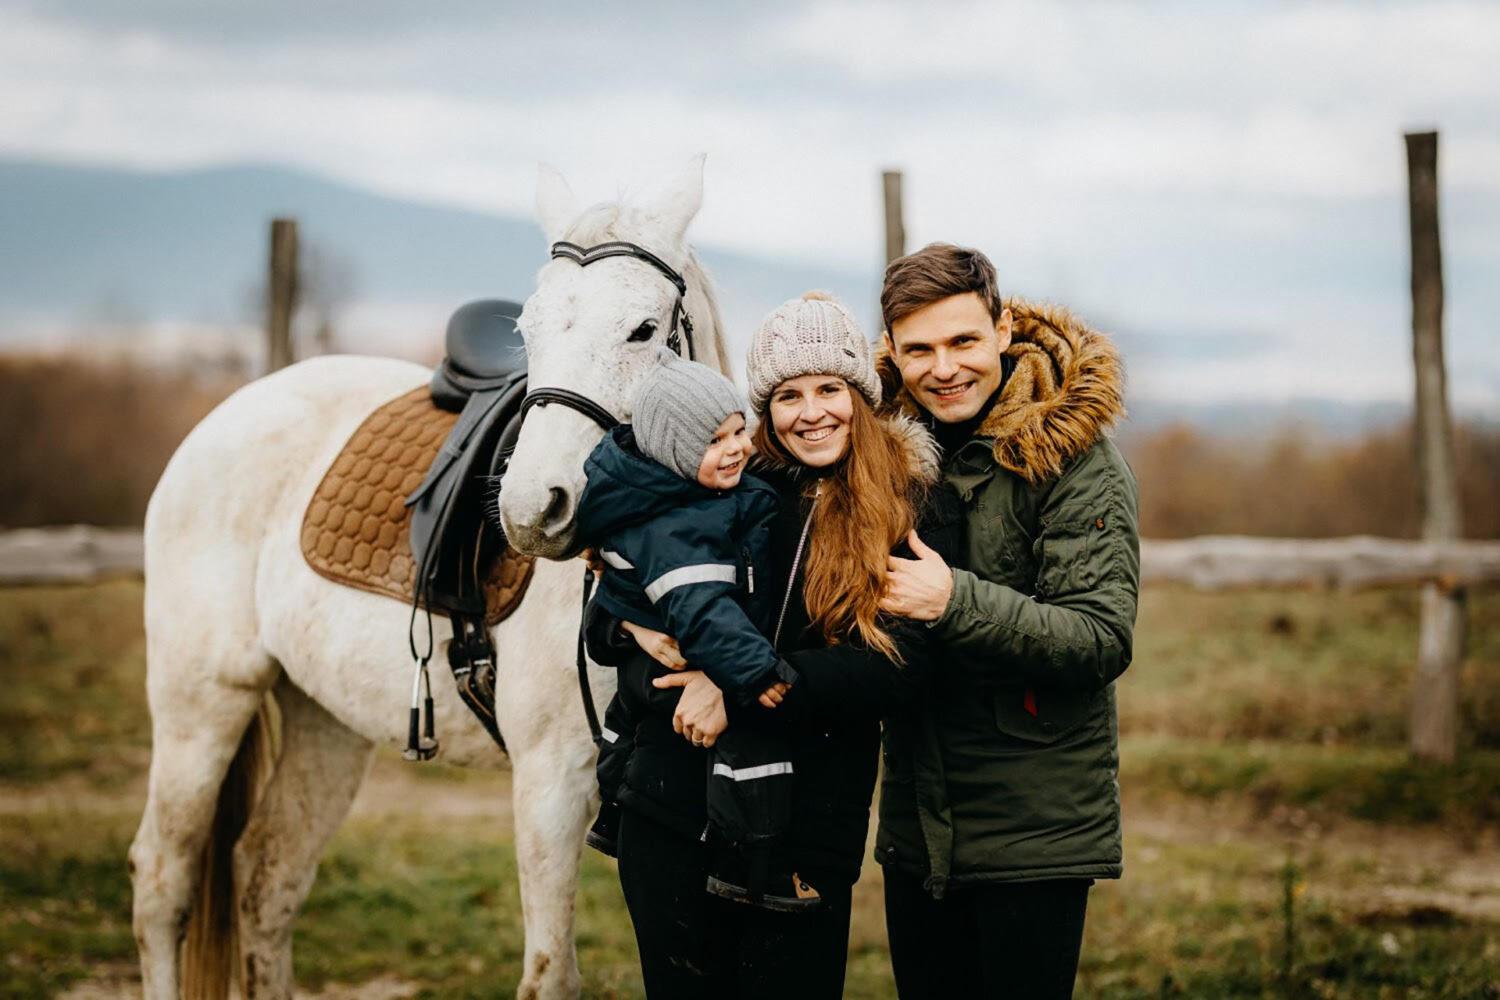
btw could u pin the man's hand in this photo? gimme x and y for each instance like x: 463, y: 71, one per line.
x: 917, y: 588
x: 700, y: 715
x: 771, y: 696
x: 662, y: 647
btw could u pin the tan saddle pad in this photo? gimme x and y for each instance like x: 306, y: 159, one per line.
x: 357, y: 529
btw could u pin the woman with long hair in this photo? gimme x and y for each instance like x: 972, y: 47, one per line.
x: 853, y: 487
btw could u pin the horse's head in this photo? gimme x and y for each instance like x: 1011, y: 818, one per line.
x: 594, y: 331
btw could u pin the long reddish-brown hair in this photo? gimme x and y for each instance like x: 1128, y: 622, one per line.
x: 868, y: 504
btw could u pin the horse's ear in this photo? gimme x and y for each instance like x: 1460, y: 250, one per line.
x: 556, y: 208
x: 680, y: 198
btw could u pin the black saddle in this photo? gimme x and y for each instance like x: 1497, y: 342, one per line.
x: 455, y: 537
x: 484, y: 350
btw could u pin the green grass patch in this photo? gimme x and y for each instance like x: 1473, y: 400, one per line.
x: 439, y: 907
x: 73, y: 665
x: 1379, y: 784
x: 64, y: 899
x: 1276, y: 699
x: 1297, y: 666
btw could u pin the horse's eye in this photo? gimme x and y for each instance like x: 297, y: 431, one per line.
x: 643, y: 333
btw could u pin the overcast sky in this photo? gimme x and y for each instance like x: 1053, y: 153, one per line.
x: 1225, y: 181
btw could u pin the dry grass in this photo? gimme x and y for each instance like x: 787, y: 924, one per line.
x: 1396, y: 867
x: 86, y: 443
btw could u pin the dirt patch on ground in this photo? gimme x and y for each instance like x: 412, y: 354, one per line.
x: 397, y: 787
x: 1411, y: 873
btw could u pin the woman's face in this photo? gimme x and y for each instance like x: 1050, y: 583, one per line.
x: 811, y: 415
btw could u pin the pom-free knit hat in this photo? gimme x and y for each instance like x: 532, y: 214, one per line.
x: 678, y: 407
x: 811, y: 335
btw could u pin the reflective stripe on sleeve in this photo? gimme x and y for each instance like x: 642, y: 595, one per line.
x: 684, y: 575
x: 615, y: 559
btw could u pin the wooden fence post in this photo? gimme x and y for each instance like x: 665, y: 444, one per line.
x: 895, y: 229
x: 1440, y: 645
x: 282, y: 293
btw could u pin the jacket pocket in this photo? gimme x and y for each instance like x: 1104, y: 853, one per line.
x: 1058, y: 713
x: 1065, y: 550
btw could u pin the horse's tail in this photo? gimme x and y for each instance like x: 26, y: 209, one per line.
x: 210, y: 948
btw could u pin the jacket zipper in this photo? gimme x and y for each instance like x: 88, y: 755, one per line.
x: 791, y: 581
x: 749, y: 570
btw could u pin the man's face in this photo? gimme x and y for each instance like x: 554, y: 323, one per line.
x: 949, y: 355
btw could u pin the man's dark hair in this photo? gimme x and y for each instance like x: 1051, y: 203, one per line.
x: 933, y: 273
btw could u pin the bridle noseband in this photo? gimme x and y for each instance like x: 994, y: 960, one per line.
x: 682, y: 324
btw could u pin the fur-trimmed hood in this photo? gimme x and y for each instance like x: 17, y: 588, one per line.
x: 922, y: 456
x: 1064, y: 393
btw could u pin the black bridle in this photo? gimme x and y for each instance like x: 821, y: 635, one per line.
x: 682, y: 324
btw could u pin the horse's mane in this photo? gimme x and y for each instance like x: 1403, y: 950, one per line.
x: 612, y: 221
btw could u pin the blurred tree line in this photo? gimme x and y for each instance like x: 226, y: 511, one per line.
x: 1295, y: 483
x: 85, y: 443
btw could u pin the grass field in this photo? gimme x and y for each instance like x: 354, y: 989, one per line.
x: 1279, y: 842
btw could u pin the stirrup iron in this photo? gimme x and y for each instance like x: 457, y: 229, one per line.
x: 424, y: 746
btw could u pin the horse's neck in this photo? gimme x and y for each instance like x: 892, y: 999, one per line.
x: 703, y: 306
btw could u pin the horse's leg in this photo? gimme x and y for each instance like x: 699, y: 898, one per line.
x: 553, y: 791
x: 197, y: 724
x: 552, y: 798
x: 321, y: 767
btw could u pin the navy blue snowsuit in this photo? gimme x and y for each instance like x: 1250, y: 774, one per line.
x: 680, y: 558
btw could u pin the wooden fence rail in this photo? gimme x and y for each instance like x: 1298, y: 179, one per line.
x: 79, y: 553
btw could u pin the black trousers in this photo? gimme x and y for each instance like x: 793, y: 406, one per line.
x: 694, y: 945
x: 1015, y: 939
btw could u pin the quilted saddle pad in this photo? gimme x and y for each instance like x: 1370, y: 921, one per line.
x: 356, y: 530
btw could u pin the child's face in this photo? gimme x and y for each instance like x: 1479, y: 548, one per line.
x: 724, y: 461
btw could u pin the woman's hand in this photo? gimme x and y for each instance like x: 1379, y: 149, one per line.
x: 700, y: 715
x: 661, y: 647
x: 772, y: 696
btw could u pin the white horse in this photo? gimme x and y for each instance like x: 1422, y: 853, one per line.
x: 236, y: 621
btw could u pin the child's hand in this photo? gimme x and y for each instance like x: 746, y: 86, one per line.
x: 771, y: 696
x: 662, y: 647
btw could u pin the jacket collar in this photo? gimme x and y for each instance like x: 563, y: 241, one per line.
x: 1066, y: 391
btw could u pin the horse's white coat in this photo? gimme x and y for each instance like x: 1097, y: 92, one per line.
x: 233, y: 612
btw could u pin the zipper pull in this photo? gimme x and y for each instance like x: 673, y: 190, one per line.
x: 750, y: 576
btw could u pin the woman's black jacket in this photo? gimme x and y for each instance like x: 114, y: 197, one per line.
x: 832, y: 712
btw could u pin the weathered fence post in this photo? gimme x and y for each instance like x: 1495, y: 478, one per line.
x: 1440, y: 644
x: 895, y: 229
x: 282, y: 293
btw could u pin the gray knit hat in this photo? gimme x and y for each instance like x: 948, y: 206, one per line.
x: 811, y: 335
x: 678, y: 407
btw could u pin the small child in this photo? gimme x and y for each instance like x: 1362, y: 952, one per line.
x: 680, y: 530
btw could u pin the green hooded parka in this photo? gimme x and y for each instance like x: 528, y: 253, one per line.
x: 1007, y: 769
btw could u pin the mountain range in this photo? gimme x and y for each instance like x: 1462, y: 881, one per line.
x: 100, y: 253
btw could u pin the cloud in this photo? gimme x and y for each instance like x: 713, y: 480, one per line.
x: 1172, y: 166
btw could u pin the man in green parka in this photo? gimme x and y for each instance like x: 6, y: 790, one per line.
x: 1000, y: 802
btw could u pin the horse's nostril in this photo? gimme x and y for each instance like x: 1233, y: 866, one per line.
x: 558, y: 509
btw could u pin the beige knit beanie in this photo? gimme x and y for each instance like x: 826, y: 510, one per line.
x: 814, y: 334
